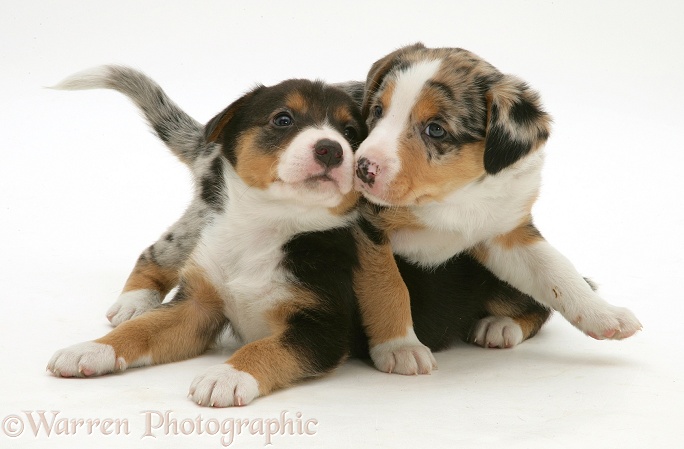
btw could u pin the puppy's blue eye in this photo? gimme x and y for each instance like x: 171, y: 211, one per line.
x: 377, y: 111
x: 283, y: 120
x: 435, y: 131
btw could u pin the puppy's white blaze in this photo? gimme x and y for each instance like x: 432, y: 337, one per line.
x: 382, y: 145
x: 298, y: 162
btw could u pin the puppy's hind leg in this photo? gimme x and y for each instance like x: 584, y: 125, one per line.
x: 179, y: 330
x: 512, y: 321
x: 158, y: 267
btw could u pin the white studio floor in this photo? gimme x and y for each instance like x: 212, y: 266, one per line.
x: 84, y: 187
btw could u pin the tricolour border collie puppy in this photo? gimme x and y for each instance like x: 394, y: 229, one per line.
x: 274, y: 251
x: 452, y: 167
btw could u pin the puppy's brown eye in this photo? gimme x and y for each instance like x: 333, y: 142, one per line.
x: 377, y: 111
x: 350, y: 133
x: 283, y: 120
x: 435, y: 131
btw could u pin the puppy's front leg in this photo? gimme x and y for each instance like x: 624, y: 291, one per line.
x: 310, y: 342
x: 386, y: 310
x: 526, y: 261
x: 180, y: 330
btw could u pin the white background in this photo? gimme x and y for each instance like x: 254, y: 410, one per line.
x: 84, y: 187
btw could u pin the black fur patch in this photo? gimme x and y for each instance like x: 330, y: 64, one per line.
x: 501, y: 149
x: 524, y: 113
x: 375, y: 235
x: 323, y: 262
x: 448, y: 301
x: 213, y: 185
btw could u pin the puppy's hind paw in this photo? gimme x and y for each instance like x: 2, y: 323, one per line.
x: 132, y: 304
x: 497, y: 332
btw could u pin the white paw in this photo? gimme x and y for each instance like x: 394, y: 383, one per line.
x: 224, y: 386
x: 497, y: 332
x: 406, y: 355
x: 131, y: 304
x: 85, y: 360
x: 608, y: 323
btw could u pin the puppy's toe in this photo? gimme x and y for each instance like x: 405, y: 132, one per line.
x: 84, y: 360
x: 224, y: 386
x: 131, y: 304
x: 497, y: 332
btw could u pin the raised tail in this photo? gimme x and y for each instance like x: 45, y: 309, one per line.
x: 180, y: 132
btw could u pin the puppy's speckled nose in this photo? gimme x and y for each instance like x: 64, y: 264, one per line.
x: 366, y: 171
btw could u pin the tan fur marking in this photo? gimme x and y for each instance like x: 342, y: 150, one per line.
x: 299, y: 299
x: 480, y: 253
x: 382, y: 294
x: 427, y: 108
x: 273, y: 364
x: 524, y: 235
x: 422, y: 180
x: 392, y: 218
x: 151, y: 276
x: 177, y: 332
x: 500, y: 307
x: 342, y: 114
x: 386, y: 96
x: 348, y: 203
x: 530, y: 321
x: 296, y: 102
x: 256, y: 168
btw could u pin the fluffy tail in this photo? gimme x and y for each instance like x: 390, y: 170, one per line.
x: 180, y: 132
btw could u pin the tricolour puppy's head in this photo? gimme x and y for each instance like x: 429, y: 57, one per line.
x: 440, y: 119
x: 293, y: 141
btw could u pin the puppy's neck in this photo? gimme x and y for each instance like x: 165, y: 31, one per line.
x: 255, y: 208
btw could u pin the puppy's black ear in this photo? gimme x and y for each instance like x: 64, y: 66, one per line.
x: 516, y: 123
x: 381, y: 68
x: 213, y: 130
x: 224, y: 127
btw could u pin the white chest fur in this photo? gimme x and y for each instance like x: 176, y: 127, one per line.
x: 480, y: 210
x: 243, y: 262
x: 241, y: 252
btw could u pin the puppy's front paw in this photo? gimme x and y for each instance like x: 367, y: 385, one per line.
x: 224, y: 386
x: 131, y: 304
x: 85, y: 360
x: 608, y: 323
x: 497, y: 332
x: 403, y: 356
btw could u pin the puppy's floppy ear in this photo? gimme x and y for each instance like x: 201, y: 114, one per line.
x: 214, y: 129
x: 381, y: 68
x: 223, y: 128
x: 516, y: 123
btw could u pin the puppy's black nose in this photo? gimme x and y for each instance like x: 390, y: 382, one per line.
x: 328, y: 153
